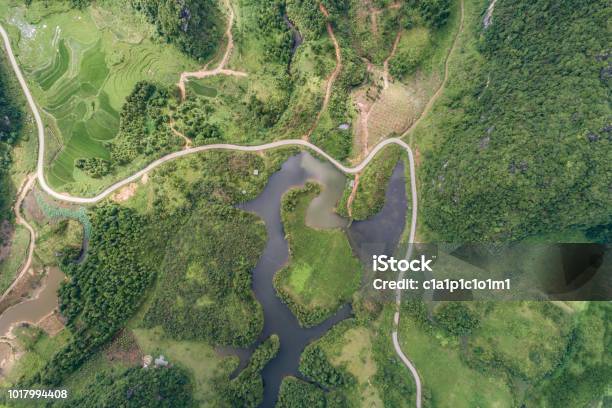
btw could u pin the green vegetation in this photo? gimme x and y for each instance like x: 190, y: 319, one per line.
x: 246, y: 390
x: 205, y: 291
x: 370, y: 196
x: 322, y: 273
x: 295, y: 393
x: 137, y: 387
x: 39, y: 349
x: 491, y: 180
x: 10, y: 127
x: 206, y: 369
x: 143, y: 126
x: 82, y: 65
x: 192, y: 25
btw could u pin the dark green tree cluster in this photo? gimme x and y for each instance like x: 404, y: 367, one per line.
x: 104, y: 290
x: 314, y: 365
x: 137, y: 388
x: 11, y: 121
x: 456, y: 318
x: 94, y: 166
x: 527, y: 139
x: 246, y: 390
x: 295, y: 393
x: 192, y: 25
x: 193, y: 120
x: 143, y: 125
x: 306, y: 16
x: 205, y: 290
x: 273, y: 30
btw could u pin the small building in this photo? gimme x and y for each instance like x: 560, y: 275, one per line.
x: 344, y: 126
x: 146, y: 361
x: 161, y: 361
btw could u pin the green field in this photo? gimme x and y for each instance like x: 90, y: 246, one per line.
x: 445, y: 377
x: 81, y: 65
x: 205, y: 368
x: 322, y: 273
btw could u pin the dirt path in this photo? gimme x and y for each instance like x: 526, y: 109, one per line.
x: 440, y: 89
x: 365, y: 116
x: 220, y: 69
x: 391, y: 55
x: 25, y: 188
x: 331, y: 78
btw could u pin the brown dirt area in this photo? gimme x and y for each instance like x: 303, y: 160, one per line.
x: 125, y: 193
x: 52, y: 324
x: 399, y: 106
x: 124, y: 348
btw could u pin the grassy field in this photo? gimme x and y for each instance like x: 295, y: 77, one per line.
x: 445, y: 377
x: 12, y: 263
x: 203, y: 363
x: 39, y: 348
x: 81, y: 65
x: 529, y: 338
x: 322, y: 272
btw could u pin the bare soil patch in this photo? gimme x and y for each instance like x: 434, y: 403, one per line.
x: 125, y: 193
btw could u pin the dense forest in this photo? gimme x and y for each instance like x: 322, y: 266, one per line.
x: 162, y: 387
x: 525, y: 141
x: 11, y: 117
x: 194, y: 26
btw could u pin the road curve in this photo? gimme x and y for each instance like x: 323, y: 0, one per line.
x: 223, y: 146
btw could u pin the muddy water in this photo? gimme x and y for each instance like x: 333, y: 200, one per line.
x: 43, y: 302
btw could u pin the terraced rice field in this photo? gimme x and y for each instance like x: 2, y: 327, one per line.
x: 81, y: 65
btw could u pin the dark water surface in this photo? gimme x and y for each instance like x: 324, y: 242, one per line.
x: 278, y: 319
x: 383, y: 230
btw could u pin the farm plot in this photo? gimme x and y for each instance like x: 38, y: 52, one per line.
x: 81, y: 66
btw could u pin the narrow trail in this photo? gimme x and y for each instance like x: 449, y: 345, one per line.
x: 25, y: 188
x: 331, y: 78
x: 365, y: 116
x: 440, y: 89
x: 281, y: 143
x: 391, y: 55
x: 220, y: 69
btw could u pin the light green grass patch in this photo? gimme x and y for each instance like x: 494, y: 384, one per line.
x: 322, y: 272
x: 451, y: 383
x: 11, y: 264
x: 202, y: 361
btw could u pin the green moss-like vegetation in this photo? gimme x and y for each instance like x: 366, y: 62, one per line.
x: 246, y: 390
x: 192, y: 25
x: 488, y: 178
x: 138, y: 387
x: 205, y: 291
x: 370, y: 196
x: 322, y: 273
x: 295, y: 393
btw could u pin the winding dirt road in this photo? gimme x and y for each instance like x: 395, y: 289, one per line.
x: 26, y: 186
x: 220, y: 69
